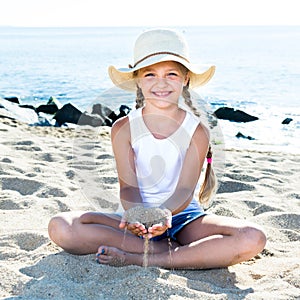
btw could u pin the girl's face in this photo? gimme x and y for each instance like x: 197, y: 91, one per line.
x: 162, y: 83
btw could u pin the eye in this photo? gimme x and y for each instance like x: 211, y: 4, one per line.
x: 149, y: 74
x: 172, y: 75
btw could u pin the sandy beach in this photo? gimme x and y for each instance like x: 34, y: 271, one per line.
x: 46, y: 170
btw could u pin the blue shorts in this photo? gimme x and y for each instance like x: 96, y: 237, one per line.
x: 179, y: 221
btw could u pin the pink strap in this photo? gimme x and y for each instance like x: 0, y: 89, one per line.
x: 209, y: 160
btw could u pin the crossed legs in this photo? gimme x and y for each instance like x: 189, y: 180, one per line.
x: 208, y: 242
x: 83, y: 233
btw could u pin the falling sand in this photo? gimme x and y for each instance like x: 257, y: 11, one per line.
x: 148, y: 217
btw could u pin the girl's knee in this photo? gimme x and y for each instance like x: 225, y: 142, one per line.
x: 60, y: 230
x: 86, y: 217
x: 254, y: 239
x: 56, y: 228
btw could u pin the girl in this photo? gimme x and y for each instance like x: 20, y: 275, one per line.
x: 160, y: 149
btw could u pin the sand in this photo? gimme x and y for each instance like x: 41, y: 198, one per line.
x: 147, y: 216
x: 46, y: 170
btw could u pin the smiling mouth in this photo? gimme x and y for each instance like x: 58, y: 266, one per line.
x: 161, y: 94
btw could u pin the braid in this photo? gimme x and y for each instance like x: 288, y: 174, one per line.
x: 139, y: 98
x: 188, y: 101
x: 209, y: 184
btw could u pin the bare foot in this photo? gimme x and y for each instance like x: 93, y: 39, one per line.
x: 115, y: 257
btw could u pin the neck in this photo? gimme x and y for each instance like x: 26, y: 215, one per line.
x: 162, y: 123
x: 170, y: 112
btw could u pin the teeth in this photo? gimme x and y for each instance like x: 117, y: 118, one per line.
x: 161, y: 93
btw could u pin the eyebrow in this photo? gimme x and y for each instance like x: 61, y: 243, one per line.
x: 149, y: 69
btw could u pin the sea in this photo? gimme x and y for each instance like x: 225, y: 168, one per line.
x: 257, y: 71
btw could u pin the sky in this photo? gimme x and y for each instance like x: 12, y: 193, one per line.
x: 57, y: 13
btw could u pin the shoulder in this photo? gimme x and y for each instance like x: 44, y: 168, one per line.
x: 121, y: 128
x: 201, y: 135
x: 120, y: 124
x: 200, y: 128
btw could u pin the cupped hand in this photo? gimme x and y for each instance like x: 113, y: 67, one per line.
x: 156, y: 230
x: 135, y: 228
x: 140, y: 229
x: 159, y: 229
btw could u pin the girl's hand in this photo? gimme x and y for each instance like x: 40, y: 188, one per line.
x: 135, y: 228
x: 159, y: 229
x: 156, y: 230
x: 140, y: 229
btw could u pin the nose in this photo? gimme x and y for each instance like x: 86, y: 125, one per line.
x: 161, y: 82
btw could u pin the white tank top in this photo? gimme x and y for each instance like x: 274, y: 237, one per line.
x: 158, y: 162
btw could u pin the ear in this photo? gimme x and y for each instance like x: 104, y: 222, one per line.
x: 186, y: 79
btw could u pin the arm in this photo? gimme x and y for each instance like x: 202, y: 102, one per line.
x: 124, y: 157
x: 190, y: 172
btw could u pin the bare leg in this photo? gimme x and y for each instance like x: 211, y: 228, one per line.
x: 208, y: 242
x: 82, y: 233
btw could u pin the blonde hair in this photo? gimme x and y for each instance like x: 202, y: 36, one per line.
x: 209, y: 185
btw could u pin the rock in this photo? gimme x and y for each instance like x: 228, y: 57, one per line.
x: 47, y: 109
x: 27, y: 106
x: 108, y: 115
x: 43, y: 121
x: 230, y: 114
x: 287, y: 121
x: 93, y: 121
x: 70, y: 114
x: 240, y: 135
x: 67, y: 114
x: 105, y: 113
x: 17, y: 112
x: 124, y: 111
x: 13, y: 99
x: 101, y: 115
x: 101, y: 110
x: 52, y: 106
x: 53, y: 101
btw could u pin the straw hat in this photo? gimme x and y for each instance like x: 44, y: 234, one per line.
x: 158, y: 45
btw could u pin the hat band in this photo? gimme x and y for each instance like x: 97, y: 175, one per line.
x: 157, y: 53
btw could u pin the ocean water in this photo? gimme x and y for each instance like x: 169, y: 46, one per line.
x: 257, y: 71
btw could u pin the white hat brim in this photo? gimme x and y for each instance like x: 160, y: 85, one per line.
x: 123, y: 77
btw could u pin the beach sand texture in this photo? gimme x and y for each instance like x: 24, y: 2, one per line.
x: 46, y: 170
